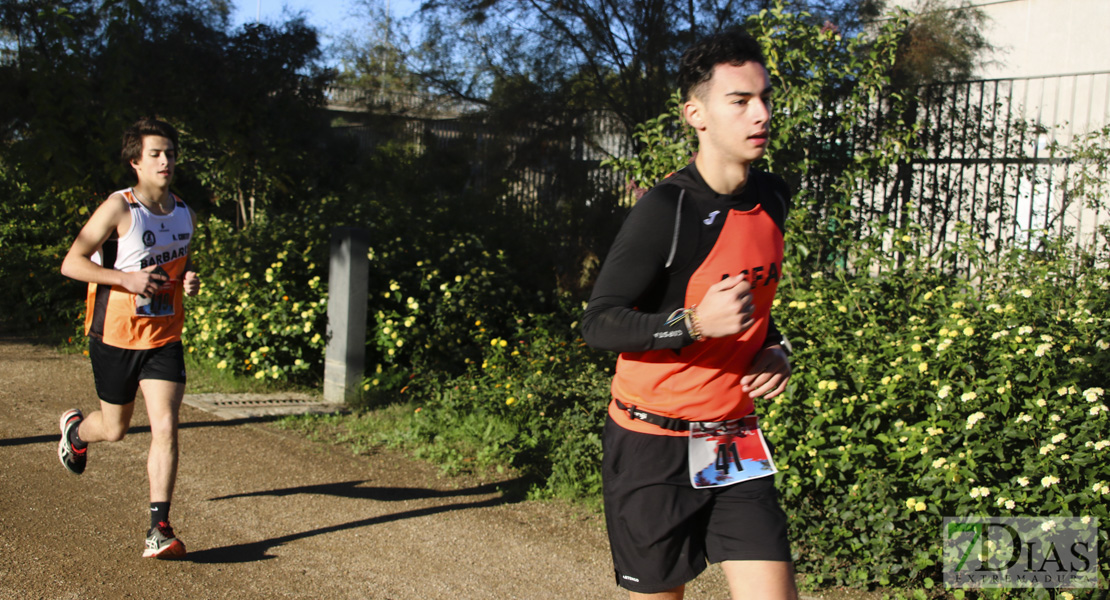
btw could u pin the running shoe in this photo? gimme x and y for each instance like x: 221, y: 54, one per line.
x: 72, y: 458
x: 161, y: 543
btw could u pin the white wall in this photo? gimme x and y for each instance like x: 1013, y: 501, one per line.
x: 1046, y: 37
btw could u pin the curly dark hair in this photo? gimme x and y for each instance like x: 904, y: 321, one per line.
x: 132, y: 146
x: 733, y: 46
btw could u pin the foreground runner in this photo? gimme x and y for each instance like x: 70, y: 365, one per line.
x: 685, y: 296
x: 134, y: 253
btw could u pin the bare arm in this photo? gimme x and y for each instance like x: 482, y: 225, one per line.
x: 113, y: 216
x: 191, y: 280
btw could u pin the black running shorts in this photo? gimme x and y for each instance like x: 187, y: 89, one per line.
x: 663, y: 531
x: 117, y: 371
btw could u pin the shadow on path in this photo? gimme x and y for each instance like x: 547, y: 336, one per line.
x: 54, y: 437
x: 351, y: 489
x: 257, y: 551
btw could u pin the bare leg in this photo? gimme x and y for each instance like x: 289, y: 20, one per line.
x: 763, y: 579
x: 163, y: 404
x: 109, y: 424
x: 671, y: 594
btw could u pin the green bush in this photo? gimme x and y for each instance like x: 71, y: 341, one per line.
x: 432, y: 297
x: 36, y: 230
x: 534, y: 401
x: 917, y: 396
x: 262, y: 308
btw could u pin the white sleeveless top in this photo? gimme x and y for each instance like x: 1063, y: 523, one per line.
x: 126, y: 320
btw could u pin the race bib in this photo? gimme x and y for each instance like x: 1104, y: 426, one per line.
x: 159, y: 304
x: 728, y: 452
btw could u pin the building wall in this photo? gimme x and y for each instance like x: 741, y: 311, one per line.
x: 1050, y: 66
x: 1046, y: 37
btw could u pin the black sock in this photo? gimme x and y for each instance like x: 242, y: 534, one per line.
x: 76, y: 441
x: 159, y: 513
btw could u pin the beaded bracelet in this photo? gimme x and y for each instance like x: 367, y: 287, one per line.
x: 693, y: 324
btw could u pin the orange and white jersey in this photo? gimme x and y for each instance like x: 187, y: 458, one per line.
x: 125, y: 320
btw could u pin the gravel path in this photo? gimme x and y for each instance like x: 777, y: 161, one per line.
x: 266, y: 514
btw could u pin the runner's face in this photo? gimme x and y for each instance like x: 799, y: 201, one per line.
x: 155, y: 165
x: 732, y: 112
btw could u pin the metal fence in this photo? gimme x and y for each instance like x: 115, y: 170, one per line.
x: 1008, y: 161
x: 540, y: 169
x: 1015, y: 161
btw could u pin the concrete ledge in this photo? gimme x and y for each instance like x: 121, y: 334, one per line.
x: 240, y: 406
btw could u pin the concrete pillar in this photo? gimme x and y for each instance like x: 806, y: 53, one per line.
x: 345, y: 359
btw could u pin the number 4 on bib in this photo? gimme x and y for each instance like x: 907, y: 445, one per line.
x: 728, y: 452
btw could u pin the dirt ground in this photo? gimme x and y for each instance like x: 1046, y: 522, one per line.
x: 266, y: 513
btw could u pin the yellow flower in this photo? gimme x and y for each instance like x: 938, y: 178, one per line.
x: 969, y: 331
x: 919, y: 507
x: 510, y: 401
x: 923, y: 367
x: 916, y: 347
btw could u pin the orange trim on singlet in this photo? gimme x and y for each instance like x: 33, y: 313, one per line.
x: 701, y: 382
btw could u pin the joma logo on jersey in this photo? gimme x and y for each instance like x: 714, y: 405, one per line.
x: 760, y: 275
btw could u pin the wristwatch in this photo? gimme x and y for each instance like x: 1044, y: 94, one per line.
x: 781, y: 342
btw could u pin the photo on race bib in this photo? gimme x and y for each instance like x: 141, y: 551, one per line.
x: 728, y: 452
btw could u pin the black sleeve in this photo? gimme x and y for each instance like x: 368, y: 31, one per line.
x: 635, y: 266
x: 777, y: 204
